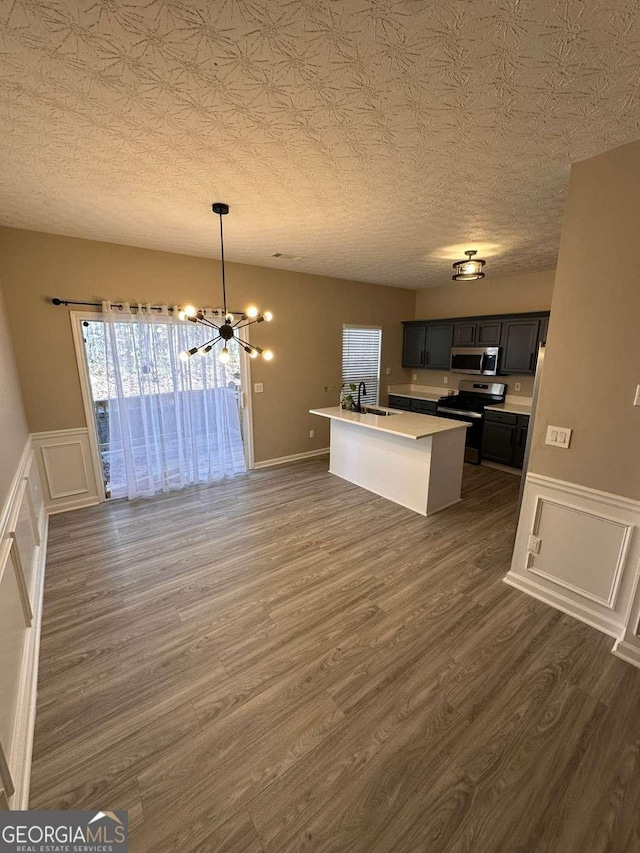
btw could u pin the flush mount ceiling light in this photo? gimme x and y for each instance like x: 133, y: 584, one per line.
x: 470, y: 269
x: 232, y: 327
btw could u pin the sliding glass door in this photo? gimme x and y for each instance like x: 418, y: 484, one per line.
x: 161, y: 423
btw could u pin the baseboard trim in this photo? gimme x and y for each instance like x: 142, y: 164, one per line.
x: 498, y: 466
x: 22, y: 743
x: 81, y: 503
x: 566, y: 605
x: 309, y: 454
x: 627, y: 652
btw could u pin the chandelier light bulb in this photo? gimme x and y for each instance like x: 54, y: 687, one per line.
x: 253, y: 353
x: 267, y: 355
x: 268, y: 316
x: 252, y: 312
x: 185, y: 356
x: 182, y: 315
x: 229, y: 318
x: 190, y: 311
x: 225, y: 356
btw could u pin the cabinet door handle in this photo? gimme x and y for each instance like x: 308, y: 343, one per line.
x: 426, y: 357
x: 531, y: 358
x: 512, y: 435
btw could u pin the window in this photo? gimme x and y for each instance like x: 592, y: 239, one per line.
x: 361, y: 359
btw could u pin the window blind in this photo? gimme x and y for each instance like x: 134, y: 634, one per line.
x: 361, y: 359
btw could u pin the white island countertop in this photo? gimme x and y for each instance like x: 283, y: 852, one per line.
x: 404, y: 424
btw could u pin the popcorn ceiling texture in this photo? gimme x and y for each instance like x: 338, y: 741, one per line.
x: 376, y: 139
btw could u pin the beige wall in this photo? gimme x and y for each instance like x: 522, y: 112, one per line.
x: 592, y: 364
x: 435, y: 379
x: 306, y: 334
x: 13, y: 425
x: 509, y: 294
x: 513, y: 294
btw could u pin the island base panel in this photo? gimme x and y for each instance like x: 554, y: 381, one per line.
x: 423, y: 475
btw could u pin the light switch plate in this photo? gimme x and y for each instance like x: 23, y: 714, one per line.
x: 388, y: 371
x: 558, y: 436
x: 258, y: 387
x: 445, y: 380
x: 414, y: 376
x: 517, y: 386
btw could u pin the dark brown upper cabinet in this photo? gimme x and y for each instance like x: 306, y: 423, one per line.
x: 438, y: 346
x: 477, y: 334
x: 428, y: 343
x: 488, y: 333
x: 520, y: 345
x: 544, y: 328
x: 464, y: 334
x: 413, y: 348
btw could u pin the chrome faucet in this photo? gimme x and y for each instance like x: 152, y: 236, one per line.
x: 361, y: 388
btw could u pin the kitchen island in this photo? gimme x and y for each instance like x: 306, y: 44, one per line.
x: 413, y: 460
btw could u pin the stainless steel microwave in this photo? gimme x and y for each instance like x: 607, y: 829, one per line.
x: 476, y: 360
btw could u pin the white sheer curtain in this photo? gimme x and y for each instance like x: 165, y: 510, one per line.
x: 171, y: 423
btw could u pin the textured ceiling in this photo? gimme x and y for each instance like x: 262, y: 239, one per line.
x: 376, y: 139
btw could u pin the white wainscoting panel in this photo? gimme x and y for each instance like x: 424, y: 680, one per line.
x: 23, y: 538
x: 588, y: 557
x: 66, y: 469
x: 13, y: 634
x: 628, y: 646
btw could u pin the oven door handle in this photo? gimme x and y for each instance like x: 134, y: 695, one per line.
x: 447, y: 411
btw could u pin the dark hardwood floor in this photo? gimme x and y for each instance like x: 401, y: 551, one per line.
x: 286, y: 662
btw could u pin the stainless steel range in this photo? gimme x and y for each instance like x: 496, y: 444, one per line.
x: 468, y: 405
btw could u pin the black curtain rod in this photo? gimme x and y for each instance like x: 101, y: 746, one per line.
x: 56, y: 301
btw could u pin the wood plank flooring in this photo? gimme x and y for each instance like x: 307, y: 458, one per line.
x: 288, y: 663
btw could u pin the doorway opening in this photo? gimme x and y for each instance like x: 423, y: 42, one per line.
x: 159, y: 423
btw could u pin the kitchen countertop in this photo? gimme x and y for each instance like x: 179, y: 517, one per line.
x: 434, y: 396
x: 404, y: 424
x: 512, y: 408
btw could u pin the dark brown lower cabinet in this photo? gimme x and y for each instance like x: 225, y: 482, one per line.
x: 504, y: 438
x: 520, y: 442
x: 413, y: 404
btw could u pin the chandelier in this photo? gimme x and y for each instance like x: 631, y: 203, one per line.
x: 470, y: 269
x: 231, y: 328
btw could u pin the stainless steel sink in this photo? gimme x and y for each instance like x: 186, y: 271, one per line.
x: 372, y: 410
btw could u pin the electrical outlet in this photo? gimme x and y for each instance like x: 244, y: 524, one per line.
x: 517, y: 386
x: 258, y: 388
x: 558, y: 436
x: 414, y: 376
x: 445, y: 380
x: 312, y: 433
x: 533, y: 546
x: 388, y: 371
